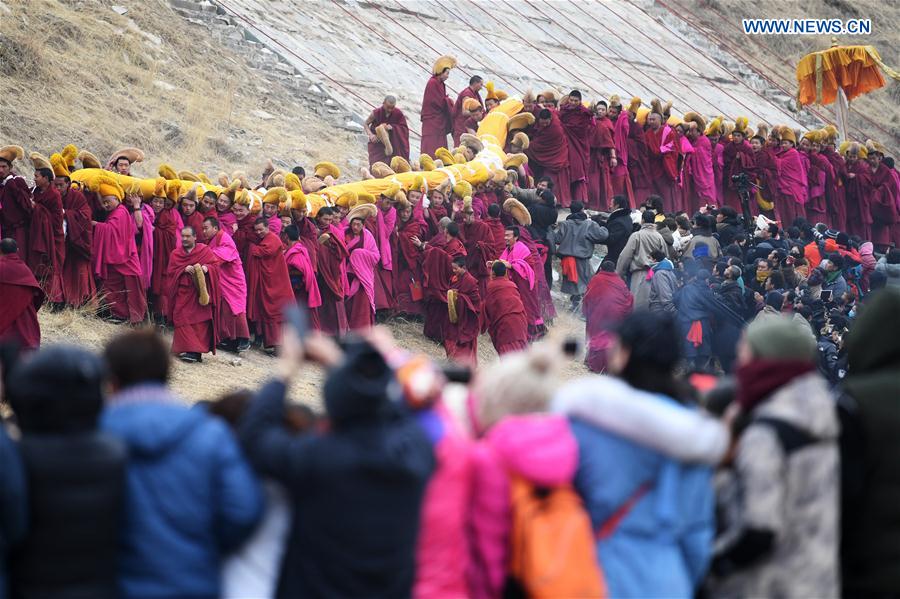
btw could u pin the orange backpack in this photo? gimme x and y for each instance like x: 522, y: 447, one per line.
x: 553, y: 550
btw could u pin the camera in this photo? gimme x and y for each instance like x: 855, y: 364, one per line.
x: 741, y: 180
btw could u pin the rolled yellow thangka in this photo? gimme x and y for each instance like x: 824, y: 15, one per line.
x: 451, y: 305
x: 200, y: 281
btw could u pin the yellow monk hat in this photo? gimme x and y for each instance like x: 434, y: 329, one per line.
x: 520, y: 140
x: 167, y: 172
x: 518, y: 211
x: 523, y: 120
x: 444, y: 155
x: 399, y: 164
x: 132, y: 154
x: 426, y: 162
x: 38, y: 160
x: 188, y: 176
x: 298, y: 199
x: 159, y: 188
x: 812, y: 135
x: 292, y: 182
x: 459, y: 156
x: 615, y: 100
x: 634, y: 104
x: 12, y: 153
x: 364, y: 197
x: 515, y: 160
x: 462, y: 189
x: 786, y: 133
x: 60, y: 168
x: 362, y: 210
x: 494, y: 94
x: 380, y: 170
x: 714, y: 127
x: 471, y: 141
x: 442, y: 64
x: 275, y: 195
x: 471, y: 105
x: 831, y: 134
x: 874, y: 147
x: 346, y: 198
x: 70, y: 154
x: 173, y: 189
x: 204, y: 179
x: 327, y: 169
x: 107, y: 185
x: 693, y: 117
x: 418, y: 184
x: 275, y: 179
x: 88, y: 160
x: 641, y: 116
x: 741, y: 124
x: 312, y: 184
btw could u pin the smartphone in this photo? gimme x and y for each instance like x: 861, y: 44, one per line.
x: 826, y: 295
x: 297, y: 317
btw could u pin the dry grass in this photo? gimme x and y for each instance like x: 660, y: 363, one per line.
x: 882, y: 105
x: 225, y: 372
x: 77, y: 72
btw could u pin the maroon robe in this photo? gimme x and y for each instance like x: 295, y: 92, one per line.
x: 478, y: 238
x: 461, y: 337
x: 883, y: 205
x: 662, y: 164
x: 599, y: 183
x: 302, y: 271
x: 835, y: 190
x: 460, y: 116
x: 607, y: 302
x: 195, y: 325
x: 859, y: 191
x: 269, y: 289
x: 114, y: 260
x: 816, y: 207
x: 22, y: 297
x: 766, y: 169
x: 195, y: 220
x: 331, y: 271
x: 398, y: 134
x: 244, y: 237
x: 407, y: 264
x: 166, y: 237
x: 436, y: 273
x: 498, y: 234
x: 437, y: 117
x: 736, y: 159
x: 548, y: 154
x: 15, y: 212
x: 504, y: 316
x: 382, y: 226
x: 638, y: 167
x: 48, y: 242
x: 577, y: 121
x: 78, y: 283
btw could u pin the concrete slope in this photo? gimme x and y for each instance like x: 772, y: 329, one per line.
x: 359, y: 51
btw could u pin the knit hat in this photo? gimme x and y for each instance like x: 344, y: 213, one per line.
x: 34, y: 390
x: 358, y: 390
x: 781, y: 338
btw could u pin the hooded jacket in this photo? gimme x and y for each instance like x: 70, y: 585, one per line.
x: 891, y: 271
x: 870, y: 419
x: 191, y: 495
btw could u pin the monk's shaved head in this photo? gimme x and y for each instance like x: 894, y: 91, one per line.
x: 390, y: 100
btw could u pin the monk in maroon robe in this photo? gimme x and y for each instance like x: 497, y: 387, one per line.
x: 460, y: 116
x: 859, y: 192
x: 269, y: 288
x: 407, y: 262
x: 435, y: 213
x: 620, y: 181
x: 191, y: 311
x: 166, y: 231
x: 662, y: 160
x: 607, y: 302
x: 331, y: 271
x: 22, y: 297
x: 362, y: 260
x: 737, y: 158
x: 437, y: 255
x: 232, y: 329
x: 464, y: 318
x: 817, y: 167
x: 504, y: 315
x: 548, y: 153
x: 497, y: 228
x: 392, y: 122
x: 381, y: 226
x: 191, y: 217
x: 577, y: 121
x: 835, y: 190
x: 46, y: 236
x: 884, y: 201
x: 115, y: 260
x: 245, y: 235
x: 437, y: 113
x: 603, y: 150
x: 78, y: 283
x: 638, y: 167
x: 15, y: 207
x: 302, y: 271
x: 478, y: 239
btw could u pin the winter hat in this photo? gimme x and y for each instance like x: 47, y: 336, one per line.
x: 775, y: 300
x: 781, y: 338
x: 35, y: 386
x: 358, y: 390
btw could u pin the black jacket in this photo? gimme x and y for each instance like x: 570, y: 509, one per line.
x: 76, y: 490
x: 356, y: 494
x: 620, y: 227
x: 12, y: 501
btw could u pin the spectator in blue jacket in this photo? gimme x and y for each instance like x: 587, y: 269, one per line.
x: 191, y: 496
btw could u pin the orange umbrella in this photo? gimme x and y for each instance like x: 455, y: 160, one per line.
x: 855, y: 69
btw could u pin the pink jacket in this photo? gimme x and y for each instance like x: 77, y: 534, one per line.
x: 539, y: 447
x: 442, y: 554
